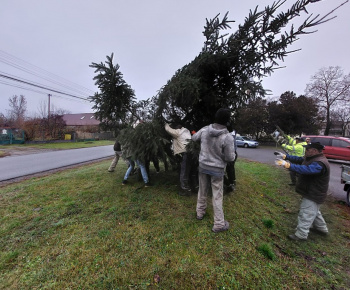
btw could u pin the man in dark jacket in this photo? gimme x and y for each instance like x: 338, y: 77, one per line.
x: 117, y: 154
x: 217, y: 148
x: 312, y: 184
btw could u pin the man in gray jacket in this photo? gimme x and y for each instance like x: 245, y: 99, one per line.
x: 217, y: 148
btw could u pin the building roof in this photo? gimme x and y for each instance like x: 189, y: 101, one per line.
x: 85, y: 119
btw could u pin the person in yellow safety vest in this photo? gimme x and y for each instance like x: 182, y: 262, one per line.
x: 295, y: 147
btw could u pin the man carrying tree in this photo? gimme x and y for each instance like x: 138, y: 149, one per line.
x: 216, y: 149
x: 117, y: 154
x: 181, y: 137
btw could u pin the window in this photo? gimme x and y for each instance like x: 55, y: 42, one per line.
x: 323, y: 141
x: 340, y: 143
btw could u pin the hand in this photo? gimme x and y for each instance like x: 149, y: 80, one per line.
x: 283, y: 163
x: 280, y: 154
x: 281, y: 140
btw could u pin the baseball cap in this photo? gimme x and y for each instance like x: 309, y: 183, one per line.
x: 316, y: 145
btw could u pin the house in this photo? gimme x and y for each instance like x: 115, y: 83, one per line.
x: 84, y: 126
x: 76, y: 121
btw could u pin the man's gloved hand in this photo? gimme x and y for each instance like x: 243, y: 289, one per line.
x: 280, y: 139
x: 280, y: 154
x: 283, y: 163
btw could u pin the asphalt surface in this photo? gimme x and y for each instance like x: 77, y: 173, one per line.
x: 12, y: 167
x: 264, y: 154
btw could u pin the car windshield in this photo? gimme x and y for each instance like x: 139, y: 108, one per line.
x: 247, y: 139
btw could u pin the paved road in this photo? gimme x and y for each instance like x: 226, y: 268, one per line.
x: 264, y: 154
x: 18, y: 166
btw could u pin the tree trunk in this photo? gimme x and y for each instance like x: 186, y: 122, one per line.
x: 328, y: 124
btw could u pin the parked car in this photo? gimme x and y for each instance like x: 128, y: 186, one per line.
x: 244, y: 141
x: 345, y: 179
x: 335, y: 147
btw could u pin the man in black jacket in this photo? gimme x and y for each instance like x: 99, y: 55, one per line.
x: 117, y: 154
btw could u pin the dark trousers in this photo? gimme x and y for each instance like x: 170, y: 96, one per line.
x: 188, y: 175
x: 293, y: 176
x: 230, y: 177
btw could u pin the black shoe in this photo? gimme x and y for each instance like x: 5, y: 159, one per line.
x: 230, y: 188
x: 315, y: 230
x: 295, y: 238
x: 124, y: 182
x: 184, y: 193
x: 199, y: 217
x: 148, y: 184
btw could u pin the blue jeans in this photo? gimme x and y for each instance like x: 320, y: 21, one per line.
x: 131, y: 167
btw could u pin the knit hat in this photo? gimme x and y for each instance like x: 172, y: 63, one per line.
x: 222, y: 116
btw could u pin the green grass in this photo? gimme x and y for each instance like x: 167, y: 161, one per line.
x: 63, y: 145
x: 81, y: 229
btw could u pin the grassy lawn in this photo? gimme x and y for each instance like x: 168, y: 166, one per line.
x: 81, y: 229
x: 63, y: 145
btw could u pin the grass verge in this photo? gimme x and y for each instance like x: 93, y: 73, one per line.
x: 61, y: 145
x: 81, y: 229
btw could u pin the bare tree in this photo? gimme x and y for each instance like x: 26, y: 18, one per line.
x: 341, y: 115
x: 43, y: 107
x: 59, y: 111
x: 329, y: 86
x: 3, y: 120
x: 18, y: 109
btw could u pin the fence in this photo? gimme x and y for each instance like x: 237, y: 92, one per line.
x: 11, y: 136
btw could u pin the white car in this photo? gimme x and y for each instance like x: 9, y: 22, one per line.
x: 244, y: 141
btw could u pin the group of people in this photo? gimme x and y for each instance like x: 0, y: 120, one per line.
x: 126, y: 156
x: 309, y: 170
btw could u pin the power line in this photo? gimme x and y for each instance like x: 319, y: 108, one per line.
x: 41, y: 73
x: 39, y: 86
x: 41, y: 92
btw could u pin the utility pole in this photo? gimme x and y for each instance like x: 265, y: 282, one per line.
x: 48, y: 114
x: 48, y: 111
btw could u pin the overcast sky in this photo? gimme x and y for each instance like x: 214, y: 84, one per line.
x: 57, y: 40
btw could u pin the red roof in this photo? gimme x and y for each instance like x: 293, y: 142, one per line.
x: 87, y: 119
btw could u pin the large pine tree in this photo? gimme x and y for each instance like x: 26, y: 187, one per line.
x: 229, y: 69
x: 226, y: 73
x: 115, y: 101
